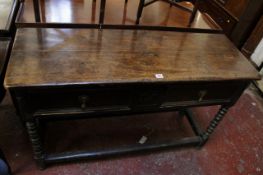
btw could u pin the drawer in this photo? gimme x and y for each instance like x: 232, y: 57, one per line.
x: 140, y: 97
x: 148, y: 96
x: 217, y: 12
x: 134, y: 97
x: 199, y: 93
x: 79, y: 98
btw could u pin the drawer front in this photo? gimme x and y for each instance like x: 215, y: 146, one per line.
x: 134, y: 97
x: 199, y: 93
x: 82, y: 99
x: 148, y: 96
x: 226, y: 21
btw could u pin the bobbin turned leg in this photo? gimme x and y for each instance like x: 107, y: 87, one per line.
x: 36, y: 143
x: 213, y: 124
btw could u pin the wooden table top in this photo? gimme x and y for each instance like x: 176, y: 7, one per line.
x: 54, y: 57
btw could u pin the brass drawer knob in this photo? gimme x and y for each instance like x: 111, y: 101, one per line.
x: 83, y: 101
x: 202, y: 95
x: 228, y: 21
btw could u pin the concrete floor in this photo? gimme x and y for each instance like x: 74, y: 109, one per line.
x: 236, y: 147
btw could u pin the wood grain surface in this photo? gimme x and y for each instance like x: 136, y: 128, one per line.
x: 54, y: 57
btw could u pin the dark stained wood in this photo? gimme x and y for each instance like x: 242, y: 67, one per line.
x: 4, y: 53
x: 58, y: 74
x: 247, y: 22
x: 219, y: 14
x: 236, y: 7
x: 253, y: 39
x: 122, y: 97
x: 236, y: 17
x: 82, y: 56
x: 4, y: 45
x: 37, y: 10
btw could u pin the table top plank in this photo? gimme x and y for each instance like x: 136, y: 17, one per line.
x: 54, y: 57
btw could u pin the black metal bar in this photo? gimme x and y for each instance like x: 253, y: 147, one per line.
x: 193, y: 122
x: 102, y: 11
x: 62, y: 157
x: 36, y: 10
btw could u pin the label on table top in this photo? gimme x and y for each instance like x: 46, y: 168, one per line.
x: 143, y: 140
x: 159, y: 76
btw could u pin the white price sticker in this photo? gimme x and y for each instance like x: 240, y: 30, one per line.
x: 159, y: 76
x: 143, y: 140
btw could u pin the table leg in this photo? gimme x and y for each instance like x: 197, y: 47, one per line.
x: 139, y: 12
x: 36, y: 10
x: 192, y: 17
x: 102, y: 11
x: 34, y: 136
x: 213, y: 124
x: 93, y: 11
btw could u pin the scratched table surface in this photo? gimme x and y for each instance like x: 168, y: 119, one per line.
x: 58, y: 57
